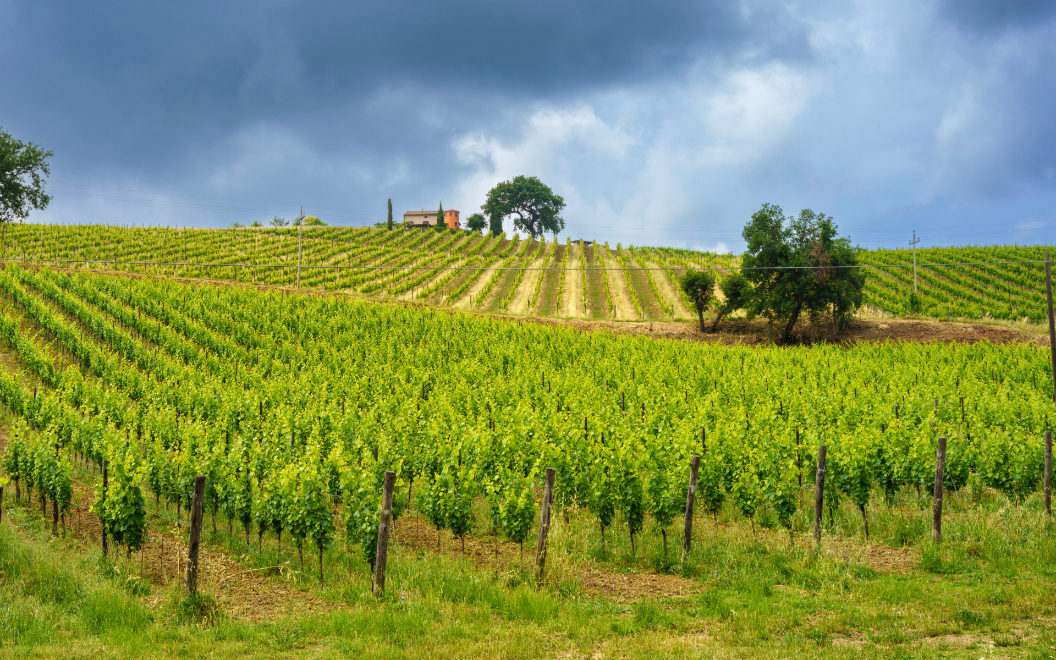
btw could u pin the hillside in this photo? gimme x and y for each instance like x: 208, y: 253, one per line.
x: 499, y: 275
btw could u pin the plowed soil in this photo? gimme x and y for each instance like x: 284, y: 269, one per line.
x: 755, y: 332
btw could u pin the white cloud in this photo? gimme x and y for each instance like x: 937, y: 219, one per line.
x: 632, y: 165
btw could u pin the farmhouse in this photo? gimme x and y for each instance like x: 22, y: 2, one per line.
x: 428, y: 218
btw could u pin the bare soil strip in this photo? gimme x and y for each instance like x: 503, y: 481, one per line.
x: 523, y: 295
x: 572, y: 298
x: 618, y: 288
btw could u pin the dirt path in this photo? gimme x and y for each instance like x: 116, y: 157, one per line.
x: 618, y: 289
x: 523, y: 296
x: 740, y: 331
x: 572, y: 298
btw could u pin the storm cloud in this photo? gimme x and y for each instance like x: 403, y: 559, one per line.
x: 660, y: 123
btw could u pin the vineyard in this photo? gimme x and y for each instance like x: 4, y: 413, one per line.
x: 293, y: 406
x: 496, y: 274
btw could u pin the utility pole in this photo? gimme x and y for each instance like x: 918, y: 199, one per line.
x: 914, y: 244
x: 300, y: 227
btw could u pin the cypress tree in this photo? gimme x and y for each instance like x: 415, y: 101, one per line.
x: 440, y: 217
x: 390, y: 214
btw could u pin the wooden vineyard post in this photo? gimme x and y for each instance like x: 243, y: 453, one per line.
x: 1, y: 504
x: 1049, y: 473
x: 687, y: 538
x: 819, y: 497
x: 102, y: 522
x: 544, y: 522
x: 936, y: 505
x: 300, y: 226
x: 196, y: 534
x: 1052, y: 322
x: 383, y: 533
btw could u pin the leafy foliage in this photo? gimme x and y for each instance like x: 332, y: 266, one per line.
x: 532, y: 204
x: 799, y: 264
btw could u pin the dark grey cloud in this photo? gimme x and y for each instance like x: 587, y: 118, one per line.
x: 659, y: 122
x: 997, y: 15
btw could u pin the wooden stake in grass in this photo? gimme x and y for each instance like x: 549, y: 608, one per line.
x: 1049, y: 472
x: 936, y: 505
x: 106, y: 465
x: 544, y: 522
x: 819, y: 497
x: 195, y: 536
x: 1052, y: 321
x: 383, y: 533
x: 687, y: 537
x: 1, y: 503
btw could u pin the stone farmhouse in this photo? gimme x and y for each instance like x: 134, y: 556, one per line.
x: 428, y: 218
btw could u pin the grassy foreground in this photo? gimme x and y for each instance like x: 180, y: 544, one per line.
x: 987, y: 591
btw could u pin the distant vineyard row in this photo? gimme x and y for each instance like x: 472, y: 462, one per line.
x: 514, y: 276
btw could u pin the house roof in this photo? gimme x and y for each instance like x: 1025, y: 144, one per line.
x: 430, y: 212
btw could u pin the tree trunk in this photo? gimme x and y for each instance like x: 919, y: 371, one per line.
x: 792, y: 322
x: 865, y: 519
x: 715, y: 325
x: 700, y: 315
x: 664, y: 532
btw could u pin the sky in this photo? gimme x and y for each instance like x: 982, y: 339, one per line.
x: 659, y: 123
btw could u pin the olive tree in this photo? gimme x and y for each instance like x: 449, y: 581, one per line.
x: 699, y: 285
x: 799, y: 264
x: 737, y: 291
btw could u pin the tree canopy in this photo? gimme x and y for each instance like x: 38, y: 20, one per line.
x: 533, y: 206
x: 23, y: 166
x: 737, y: 291
x: 476, y: 223
x: 800, y: 264
x: 699, y: 285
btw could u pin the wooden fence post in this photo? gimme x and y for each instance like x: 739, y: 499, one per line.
x: 1049, y: 472
x: 196, y: 533
x: 102, y: 521
x: 936, y: 505
x: 382, y: 557
x: 1052, y: 321
x: 819, y: 497
x: 687, y: 538
x: 544, y: 522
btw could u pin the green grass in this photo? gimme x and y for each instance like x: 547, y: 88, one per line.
x: 986, y: 591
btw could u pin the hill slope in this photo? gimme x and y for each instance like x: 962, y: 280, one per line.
x: 495, y: 274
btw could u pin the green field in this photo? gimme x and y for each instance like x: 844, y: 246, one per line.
x: 294, y: 405
x: 456, y: 269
